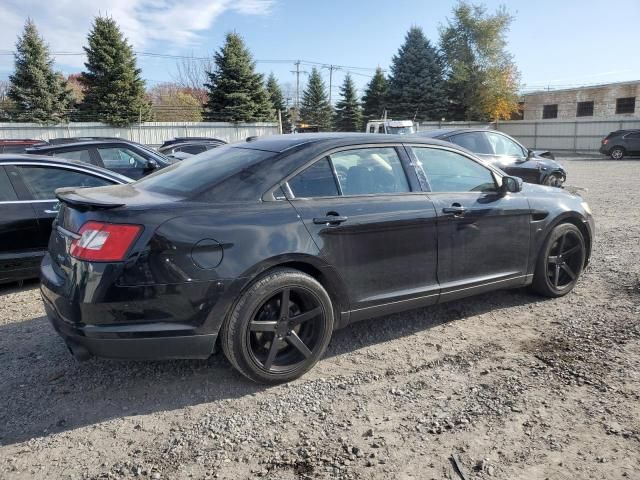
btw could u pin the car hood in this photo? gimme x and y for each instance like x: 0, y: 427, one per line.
x: 548, y: 164
x: 533, y: 189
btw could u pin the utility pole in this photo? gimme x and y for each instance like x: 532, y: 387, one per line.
x: 331, y: 69
x: 297, y: 72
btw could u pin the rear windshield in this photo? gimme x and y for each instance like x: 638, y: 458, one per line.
x: 201, y: 172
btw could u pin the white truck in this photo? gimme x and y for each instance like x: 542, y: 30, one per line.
x: 402, y: 127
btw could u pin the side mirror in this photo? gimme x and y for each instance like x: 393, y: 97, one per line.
x: 151, y: 164
x: 511, y: 185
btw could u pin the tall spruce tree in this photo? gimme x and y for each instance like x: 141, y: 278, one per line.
x: 374, y: 100
x: 37, y: 93
x: 416, y: 85
x: 236, y: 92
x: 114, y: 90
x: 278, y: 103
x: 315, y: 108
x: 482, y: 78
x: 348, y: 116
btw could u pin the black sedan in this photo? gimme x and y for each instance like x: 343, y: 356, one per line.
x: 268, y: 246
x: 121, y: 156
x: 28, y: 206
x: 506, y: 153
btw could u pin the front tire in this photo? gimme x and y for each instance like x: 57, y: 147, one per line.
x: 279, y: 328
x: 617, y: 153
x: 553, y: 180
x: 560, y: 262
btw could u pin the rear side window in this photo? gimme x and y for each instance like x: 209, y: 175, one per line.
x: 315, y: 181
x: 451, y: 172
x: 475, y: 142
x: 43, y: 181
x: 81, y: 155
x: 633, y: 135
x: 7, y: 193
x: 197, y: 174
x: 192, y: 149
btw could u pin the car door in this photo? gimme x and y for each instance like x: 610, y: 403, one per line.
x: 37, y: 183
x: 365, y: 211
x: 483, y: 234
x: 124, y: 160
x: 632, y: 142
x: 20, y: 251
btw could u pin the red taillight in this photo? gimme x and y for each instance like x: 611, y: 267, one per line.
x: 605, y: 141
x: 104, y: 242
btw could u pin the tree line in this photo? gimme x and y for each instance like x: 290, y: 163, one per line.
x: 468, y: 75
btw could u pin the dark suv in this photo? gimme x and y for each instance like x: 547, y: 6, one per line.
x: 620, y: 143
x: 122, y: 156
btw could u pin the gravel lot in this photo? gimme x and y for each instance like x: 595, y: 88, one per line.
x: 510, y: 384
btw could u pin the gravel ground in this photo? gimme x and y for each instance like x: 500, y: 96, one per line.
x: 511, y: 385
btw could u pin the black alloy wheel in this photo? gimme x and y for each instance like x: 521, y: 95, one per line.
x: 561, y: 261
x: 279, y: 328
x: 553, y: 180
x: 617, y: 153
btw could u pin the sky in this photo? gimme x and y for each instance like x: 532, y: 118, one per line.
x: 554, y: 43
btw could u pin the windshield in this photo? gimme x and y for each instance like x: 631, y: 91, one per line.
x: 201, y: 172
x: 401, y: 130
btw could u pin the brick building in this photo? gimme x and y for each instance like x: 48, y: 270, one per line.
x: 614, y: 100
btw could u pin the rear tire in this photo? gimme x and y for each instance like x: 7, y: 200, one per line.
x: 617, y: 153
x: 560, y: 262
x: 279, y: 328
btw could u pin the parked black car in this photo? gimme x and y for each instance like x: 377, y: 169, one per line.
x: 28, y: 206
x: 121, y: 156
x: 270, y: 245
x: 192, y: 147
x: 506, y: 153
x: 620, y: 143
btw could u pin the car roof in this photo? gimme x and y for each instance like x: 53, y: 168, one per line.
x: 445, y: 132
x: 82, y: 143
x: 281, y: 143
x: 6, y: 158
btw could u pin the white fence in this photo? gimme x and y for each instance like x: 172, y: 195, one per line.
x: 582, y: 136
x: 151, y: 133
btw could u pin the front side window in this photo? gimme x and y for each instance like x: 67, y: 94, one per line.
x: 315, y: 181
x: 502, y: 145
x: 369, y: 171
x: 81, y: 155
x: 43, y: 181
x: 119, y: 157
x: 475, y: 142
x: 448, y: 171
x: 7, y: 193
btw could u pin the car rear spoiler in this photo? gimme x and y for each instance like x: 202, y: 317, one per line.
x: 71, y: 196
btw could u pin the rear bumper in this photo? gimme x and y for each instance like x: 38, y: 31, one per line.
x: 604, y: 149
x: 148, y: 341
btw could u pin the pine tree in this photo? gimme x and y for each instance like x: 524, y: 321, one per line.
x: 416, y: 85
x: 374, y: 100
x: 37, y: 93
x: 348, y: 117
x: 236, y: 92
x: 114, y: 90
x: 278, y: 103
x: 315, y: 108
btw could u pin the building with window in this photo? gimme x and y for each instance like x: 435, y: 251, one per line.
x: 613, y: 100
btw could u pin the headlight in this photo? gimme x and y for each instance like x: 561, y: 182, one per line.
x: 586, y: 207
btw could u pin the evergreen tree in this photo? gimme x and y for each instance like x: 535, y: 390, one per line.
x: 114, y: 91
x: 482, y: 79
x: 348, y: 117
x: 236, y: 92
x: 315, y: 108
x: 278, y: 103
x: 37, y: 93
x: 374, y: 100
x: 416, y: 85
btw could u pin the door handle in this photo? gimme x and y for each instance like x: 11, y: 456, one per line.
x: 51, y: 211
x: 455, y: 209
x: 330, y: 220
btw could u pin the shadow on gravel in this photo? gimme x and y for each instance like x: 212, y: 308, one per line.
x: 43, y: 390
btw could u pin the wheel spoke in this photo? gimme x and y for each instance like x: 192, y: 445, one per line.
x: 568, y: 270
x: 561, y: 246
x: 553, y: 259
x: 571, y: 251
x: 261, y: 326
x: 273, y: 350
x: 556, y: 275
x: 294, y: 340
x: 303, y: 317
x: 284, y: 303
